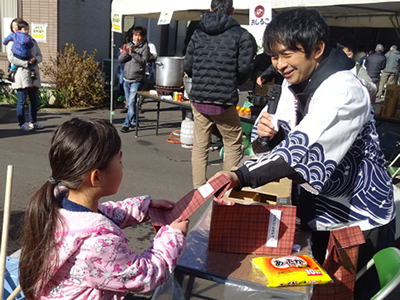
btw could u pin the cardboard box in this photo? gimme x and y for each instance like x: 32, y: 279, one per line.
x: 397, y: 112
x: 278, y: 192
x: 391, y: 97
x: 254, y: 221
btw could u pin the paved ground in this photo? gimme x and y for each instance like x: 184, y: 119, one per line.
x: 152, y: 165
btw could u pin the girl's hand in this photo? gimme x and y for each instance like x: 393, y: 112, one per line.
x: 181, y: 224
x: 265, y: 126
x: 32, y: 60
x: 162, y: 204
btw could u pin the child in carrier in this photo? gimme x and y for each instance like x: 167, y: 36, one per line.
x: 72, y: 245
x: 21, y: 47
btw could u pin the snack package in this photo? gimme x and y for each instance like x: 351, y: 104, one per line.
x: 291, y: 270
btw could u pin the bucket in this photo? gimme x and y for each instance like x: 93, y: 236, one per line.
x: 187, y: 133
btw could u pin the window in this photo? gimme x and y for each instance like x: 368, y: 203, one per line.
x: 8, y: 11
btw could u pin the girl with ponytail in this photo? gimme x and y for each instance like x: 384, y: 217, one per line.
x: 72, y: 245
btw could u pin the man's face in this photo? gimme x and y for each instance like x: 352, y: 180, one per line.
x: 137, y: 37
x: 348, y: 52
x: 293, y: 64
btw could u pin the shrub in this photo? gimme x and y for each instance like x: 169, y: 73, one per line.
x: 76, y: 78
x: 7, y: 94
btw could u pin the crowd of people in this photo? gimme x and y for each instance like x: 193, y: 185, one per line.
x: 322, y: 136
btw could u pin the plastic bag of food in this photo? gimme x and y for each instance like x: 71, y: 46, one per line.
x: 291, y: 270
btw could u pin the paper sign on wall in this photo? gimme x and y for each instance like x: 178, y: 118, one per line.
x: 260, y: 14
x: 116, y: 20
x: 39, y: 32
x: 165, y: 17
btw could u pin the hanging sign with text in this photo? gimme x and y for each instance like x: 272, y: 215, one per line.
x: 39, y: 32
x: 260, y: 14
x: 116, y: 21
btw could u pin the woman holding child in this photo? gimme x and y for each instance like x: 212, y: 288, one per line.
x: 25, y: 84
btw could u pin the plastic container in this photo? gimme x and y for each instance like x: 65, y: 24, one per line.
x: 187, y: 133
x: 187, y: 82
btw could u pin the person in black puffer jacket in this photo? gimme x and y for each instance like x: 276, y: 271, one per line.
x: 218, y: 59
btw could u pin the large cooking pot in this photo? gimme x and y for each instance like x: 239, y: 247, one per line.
x: 169, y: 71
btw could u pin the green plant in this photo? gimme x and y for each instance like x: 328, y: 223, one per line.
x: 7, y: 94
x: 77, y: 78
x: 44, y: 96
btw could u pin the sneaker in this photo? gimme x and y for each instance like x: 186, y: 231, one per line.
x: 125, y: 129
x: 35, y: 125
x: 26, y: 127
x: 132, y: 126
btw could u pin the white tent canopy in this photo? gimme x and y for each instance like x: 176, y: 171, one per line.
x: 345, y: 13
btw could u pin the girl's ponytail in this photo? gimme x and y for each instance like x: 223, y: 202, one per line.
x: 40, y: 223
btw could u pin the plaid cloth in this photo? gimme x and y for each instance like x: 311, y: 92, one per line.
x: 244, y: 228
x: 341, y: 264
x: 209, y: 109
x: 189, y: 203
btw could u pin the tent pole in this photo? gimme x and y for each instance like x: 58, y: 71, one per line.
x: 395, y: 26
x: 112, y: 77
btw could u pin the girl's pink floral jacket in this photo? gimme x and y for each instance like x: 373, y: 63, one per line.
x: 96, y: 262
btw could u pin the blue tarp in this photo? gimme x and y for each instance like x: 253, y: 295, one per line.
x: 11, y: 278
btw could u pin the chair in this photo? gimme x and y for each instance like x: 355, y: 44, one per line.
x: 394, y: 170
x: 387, y: 263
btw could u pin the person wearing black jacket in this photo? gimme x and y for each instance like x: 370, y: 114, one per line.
x: 218, y: 59
x: 375, y: 63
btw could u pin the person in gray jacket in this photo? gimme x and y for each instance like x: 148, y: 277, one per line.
x: 135, y: 56
x: 389, y: 72
x: 26, y: 85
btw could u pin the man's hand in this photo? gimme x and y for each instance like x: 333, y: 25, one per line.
x: 260, y: 81
x: 32, y: 60
x: 265, y: 126
x: 231, y: 176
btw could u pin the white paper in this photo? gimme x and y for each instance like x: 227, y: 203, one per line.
x: 165, y: 17
x: 273, y: 228
x: 206, y: 190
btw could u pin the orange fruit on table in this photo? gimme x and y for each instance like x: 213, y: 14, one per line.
x: 243, y: 108
x: 248, y: 109
x: 237, y: 107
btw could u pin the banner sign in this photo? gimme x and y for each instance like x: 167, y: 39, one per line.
x: 116, y: 21
x: 260, y: 14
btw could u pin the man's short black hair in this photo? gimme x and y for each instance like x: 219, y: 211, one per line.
x: 223, y: 6
x: 350, y: 43
x: 299, y: 26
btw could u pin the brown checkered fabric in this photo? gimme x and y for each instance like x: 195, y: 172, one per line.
x: 186, y: 206
x: 243, y: 228
x: 341, y: 264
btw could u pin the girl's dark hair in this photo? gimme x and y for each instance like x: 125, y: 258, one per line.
x: 16, y: 20
x: 223, y: 6
x: 300, y: 26
x: 77, y: 148
x: 142, y: 32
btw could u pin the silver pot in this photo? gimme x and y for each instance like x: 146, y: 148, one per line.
x: 169, y: 71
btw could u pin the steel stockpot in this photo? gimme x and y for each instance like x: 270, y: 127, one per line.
x: 169, y: 71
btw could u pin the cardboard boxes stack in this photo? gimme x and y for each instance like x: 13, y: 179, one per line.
x: 391, y: 105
